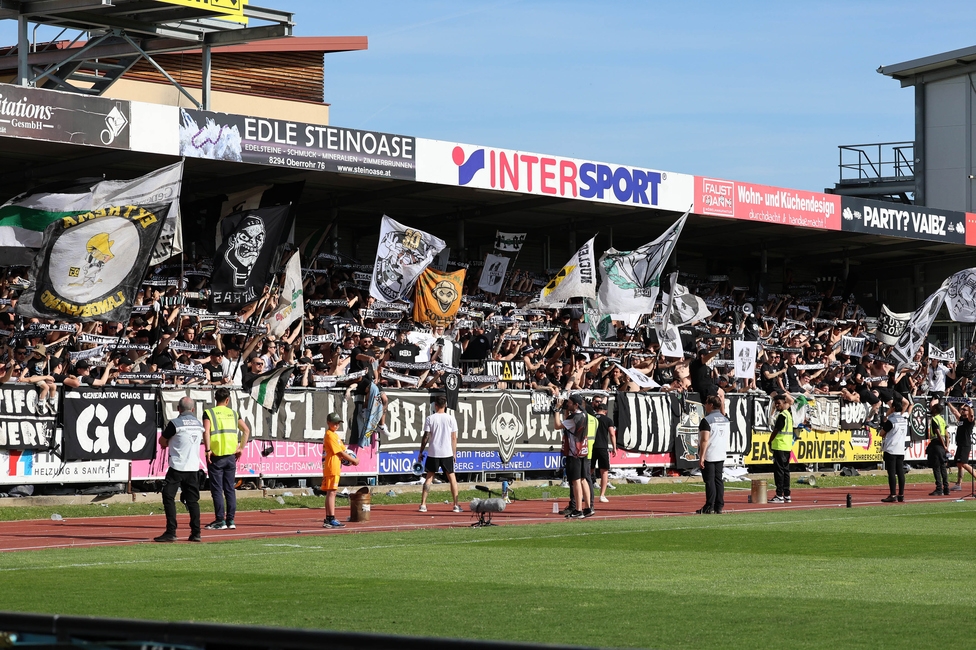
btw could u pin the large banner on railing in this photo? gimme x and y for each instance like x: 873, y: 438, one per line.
x: 859, y: 446
x: 109, y: 423
x: 22, y: 425
x: 647, y: 421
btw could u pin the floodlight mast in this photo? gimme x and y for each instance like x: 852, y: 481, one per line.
x: 120, y: 33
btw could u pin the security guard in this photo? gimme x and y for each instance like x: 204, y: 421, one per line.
x: 938, y: 449
x: 220, y: 426
x: 781, y: 442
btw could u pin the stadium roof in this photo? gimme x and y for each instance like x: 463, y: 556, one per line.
x: 466, y: 192
x: 947, y: 63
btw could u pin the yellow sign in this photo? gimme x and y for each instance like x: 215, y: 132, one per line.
x: 228, y: 9
x: 820, y: 447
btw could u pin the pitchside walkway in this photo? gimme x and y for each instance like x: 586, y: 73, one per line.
x: 107, y: 531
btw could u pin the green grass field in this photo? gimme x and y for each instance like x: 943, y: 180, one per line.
x: 864, y: 577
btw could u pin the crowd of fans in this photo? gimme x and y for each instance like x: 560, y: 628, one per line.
x: 172, y: 339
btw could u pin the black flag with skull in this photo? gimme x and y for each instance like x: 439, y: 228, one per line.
x: 246, y: 254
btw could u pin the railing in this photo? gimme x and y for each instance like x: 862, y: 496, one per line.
x: 77, y: 631
x: 882, y: 161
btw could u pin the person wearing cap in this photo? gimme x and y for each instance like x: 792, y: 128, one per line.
x: 182, y: 437
x: 334, y: 453
x: 220, y: 426
x: 440, y: 430
x: 214, y: 368
x: 571, y: 418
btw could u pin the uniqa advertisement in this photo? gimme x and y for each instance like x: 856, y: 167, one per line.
x: 508, y: 170
x: 775, y: 205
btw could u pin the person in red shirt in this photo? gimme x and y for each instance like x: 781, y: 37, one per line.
x: 333, y: 455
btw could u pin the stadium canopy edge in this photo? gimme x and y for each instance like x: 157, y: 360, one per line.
x: 462, y: 192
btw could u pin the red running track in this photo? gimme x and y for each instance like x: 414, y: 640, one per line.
x: 109, y: 531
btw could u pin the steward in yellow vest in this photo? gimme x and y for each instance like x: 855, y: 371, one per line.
x: 220, y: 426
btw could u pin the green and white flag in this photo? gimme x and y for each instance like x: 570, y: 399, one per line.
x: 24, y: 218
x: 291, y: 302
x: 631, y: 280
x: 268, y: 388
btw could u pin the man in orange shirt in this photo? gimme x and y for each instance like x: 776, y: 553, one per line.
x: 333, y: 455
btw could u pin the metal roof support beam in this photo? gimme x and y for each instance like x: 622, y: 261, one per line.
x: 158, y: 67
x: 205, y: 79
x: 48, y: 72
x: 23, y: 49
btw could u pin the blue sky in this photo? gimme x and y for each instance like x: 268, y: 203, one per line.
x: 756, y: 91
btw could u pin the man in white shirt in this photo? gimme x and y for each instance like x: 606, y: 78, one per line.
x: 440, y: 431
x: 937, y: 378
x: 713, y: 444
x: 893, y: 431
x: 183, y: 437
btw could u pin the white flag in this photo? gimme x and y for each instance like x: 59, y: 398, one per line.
x: 853, y: 346
x: 961, y: 296
x: 401, y: 256
x: 670, y: 340
x: 577, y: 279
x: 745, y: 359
x: 493, y: 273
x: 291, y: 302
x: 631, y: 281
x: 936, y: 352
x: 638, y: 377
x: 509, y: 242
x: 685, y: 306
x: 891, y: 325
x: 917, y: 328
x: 160, y: 186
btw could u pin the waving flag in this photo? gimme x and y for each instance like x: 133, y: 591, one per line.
x: 90, y: 266
x: 24, y: 217
x: 268, y: 388
x: 291, y: 303
x: 401, y: 256
x: 632, y: 280
x: 577, y: 279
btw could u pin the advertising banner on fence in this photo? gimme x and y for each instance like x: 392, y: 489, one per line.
x: 111, y: 423
x: 314, y: 147
x: 908, y: 221
x: 286, y: 459
x: 22, y: 426
x: 647, y: 422
x: 63, y: 117
x: 34, y: 467
x: 296, y: 419
x: 776, y: 205
x: 508, y: 170
x: 860, y: 446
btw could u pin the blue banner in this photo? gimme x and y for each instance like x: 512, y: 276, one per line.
x: 401, y: 462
